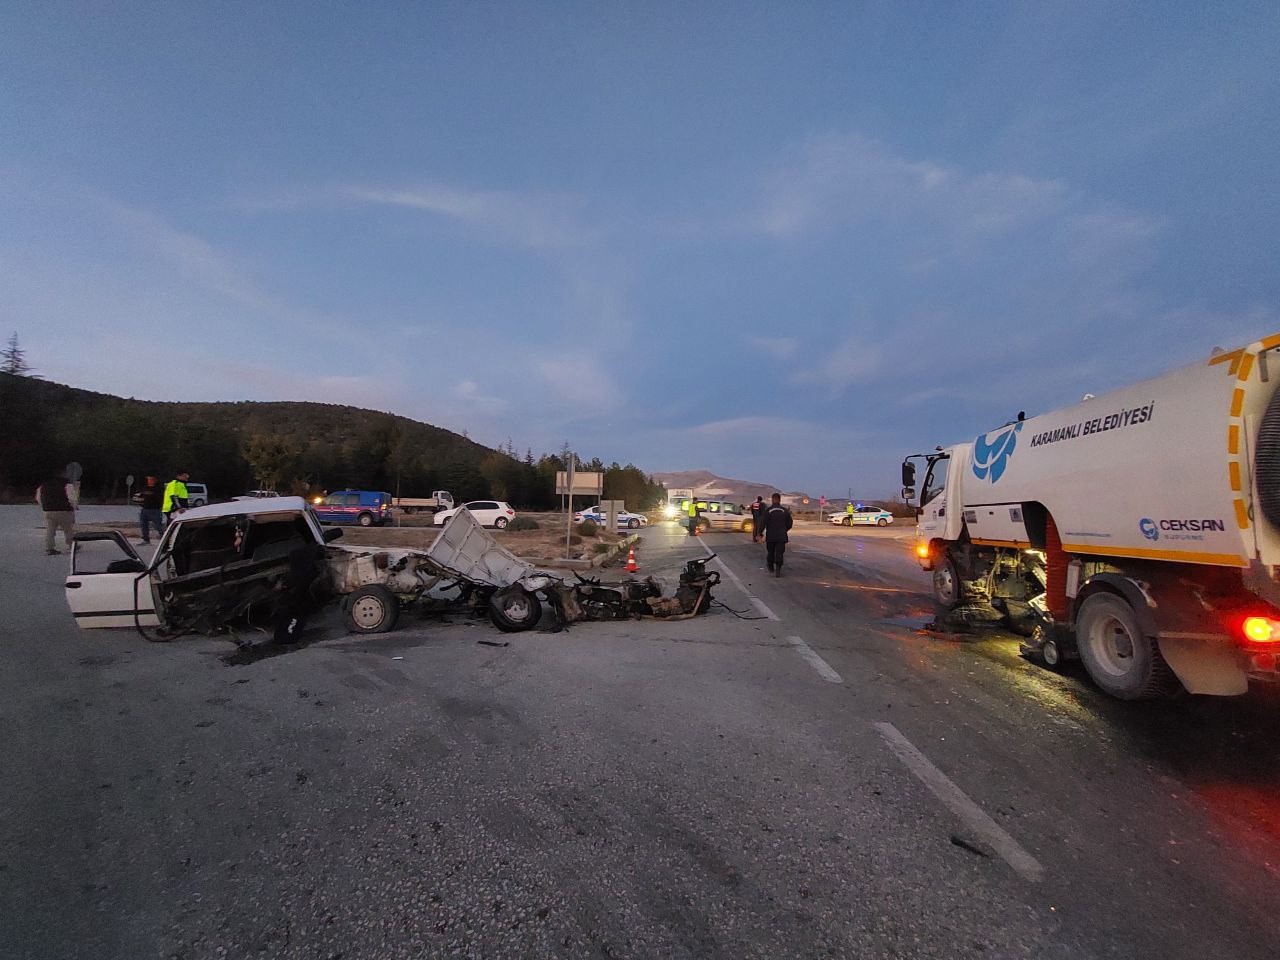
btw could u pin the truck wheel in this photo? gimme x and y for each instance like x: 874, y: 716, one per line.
x: 365, y: 519
x: 372, y: 609
x: 514, y: 609
x: 882, y: 522
x: 1120, y: 659
x: 946, y: 583
x: 409, y: 511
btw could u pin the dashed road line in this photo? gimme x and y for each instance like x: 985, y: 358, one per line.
x: 824, y: 669
x: 761, y: 607
x: 958, y: 802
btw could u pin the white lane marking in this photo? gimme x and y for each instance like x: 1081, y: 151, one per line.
x: 952, y: 797
x: 756, y: 602
x: 815, y: 661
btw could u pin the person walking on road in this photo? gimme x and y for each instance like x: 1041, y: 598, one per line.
x: 777, y: 521
x: 57, y: 498
x: 848, y: 514
x: 175, y: 496
x: 150, y: 498
x: 692, y: 510
x: 757, y: 519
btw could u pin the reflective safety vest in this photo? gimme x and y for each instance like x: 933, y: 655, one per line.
x: 174, y: 488
x: 693, y: 508
x: 849, y: 509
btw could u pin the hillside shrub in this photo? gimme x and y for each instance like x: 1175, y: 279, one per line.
x: 523, y: 523
x: 588, y: 528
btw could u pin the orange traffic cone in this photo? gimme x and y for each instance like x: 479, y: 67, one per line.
x: 632, y: 566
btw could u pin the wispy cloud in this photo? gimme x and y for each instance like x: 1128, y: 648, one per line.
x: 528, y: 220
x: 577, y: 387
x: 849, y: 362
x: 780, y: 347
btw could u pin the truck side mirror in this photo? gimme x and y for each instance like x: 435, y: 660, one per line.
x: 908, y: 494
x: 908, y: 474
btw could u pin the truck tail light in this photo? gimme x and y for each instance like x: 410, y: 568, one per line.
x: 1261, y: 630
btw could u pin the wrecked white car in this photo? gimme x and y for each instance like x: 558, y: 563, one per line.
x: 268, y: 565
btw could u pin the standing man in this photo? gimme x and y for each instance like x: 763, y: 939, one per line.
x: 777, y: 521
x: 150, y: 498
x: 175, y: 495
x: 848, y: 514
x: 692, y: 510
x: 57, y: 498
x: 757, y: 519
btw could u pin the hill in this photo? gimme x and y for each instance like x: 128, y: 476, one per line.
x: 707, y: 484
x: 300, y: 447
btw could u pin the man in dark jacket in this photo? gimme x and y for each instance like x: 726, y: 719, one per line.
x: 777, y: 521
x: 57, y: 498
x: 757, y: 519
x: 150, y: 498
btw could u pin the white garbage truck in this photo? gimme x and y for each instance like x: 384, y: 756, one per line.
x: 1138, y: 530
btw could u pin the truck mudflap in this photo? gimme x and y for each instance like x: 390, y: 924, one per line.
x: 1188, y: 633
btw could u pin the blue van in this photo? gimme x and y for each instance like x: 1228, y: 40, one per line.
x: 368, y: 508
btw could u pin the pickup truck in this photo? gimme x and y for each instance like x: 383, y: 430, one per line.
x: 439, y: 500
x: 251, y: 563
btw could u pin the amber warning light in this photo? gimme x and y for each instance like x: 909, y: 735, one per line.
x: 922, y: 550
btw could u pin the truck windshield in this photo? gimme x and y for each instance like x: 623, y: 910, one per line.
x: 936, y: 481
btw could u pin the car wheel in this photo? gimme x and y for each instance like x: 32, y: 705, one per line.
x: 197, y: 503
x: 882, y: 522
x: 633, y: 523
x: 1118, y: 656
x: 501, y: 523
x: 746, y: 526
x: 514, y: 609
x: 409, y: 511
x: 847, y: 521
x: 372, y: 609
x: 365, y: 519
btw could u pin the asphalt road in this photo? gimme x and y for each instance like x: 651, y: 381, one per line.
x: 818, y: 780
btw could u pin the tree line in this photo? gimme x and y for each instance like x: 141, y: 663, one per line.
x: 293, y: 447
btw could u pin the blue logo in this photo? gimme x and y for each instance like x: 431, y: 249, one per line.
x: 1149, y: 528
x: 991, y: 451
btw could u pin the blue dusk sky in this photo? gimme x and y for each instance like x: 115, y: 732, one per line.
x: 784, y: 242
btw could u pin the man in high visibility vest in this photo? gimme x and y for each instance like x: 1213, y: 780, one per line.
x: 175, y: 496
x: 693, y: 516
x: 849, y: 514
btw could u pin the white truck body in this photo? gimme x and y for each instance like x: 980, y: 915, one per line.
x: 1151, y: 492
x: 439, y: 500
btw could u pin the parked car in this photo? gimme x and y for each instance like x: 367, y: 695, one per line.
x: 257, y: 495
x: 197, y: 494
x: 716, y: 514
x: 881, y: 518
x: 368, y: 508
x: 625, y: 518
x: 488, y: 513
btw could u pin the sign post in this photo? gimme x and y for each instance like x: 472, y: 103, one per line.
x: 128, y: 488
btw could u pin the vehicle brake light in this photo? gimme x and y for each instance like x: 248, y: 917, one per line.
x: 1261, y: 630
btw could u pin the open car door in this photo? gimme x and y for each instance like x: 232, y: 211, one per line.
x: 106, y: 576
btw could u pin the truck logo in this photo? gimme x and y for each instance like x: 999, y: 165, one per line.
x: 991, y: 451
x: 1149, y: 528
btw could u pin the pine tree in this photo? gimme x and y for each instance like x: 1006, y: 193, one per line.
x: 13, y: 359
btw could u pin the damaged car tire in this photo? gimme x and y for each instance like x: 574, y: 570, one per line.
x: 513, y: 609
x: 372, y: 609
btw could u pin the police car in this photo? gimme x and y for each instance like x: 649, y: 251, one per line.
x: 861, y: 514
x: 625, y: 519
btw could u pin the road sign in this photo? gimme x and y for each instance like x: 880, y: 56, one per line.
x: 585, y: 483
